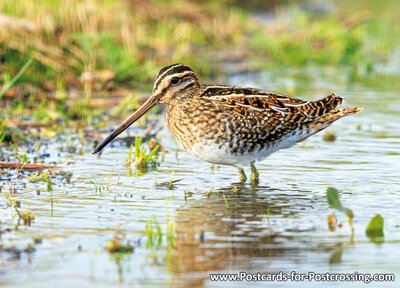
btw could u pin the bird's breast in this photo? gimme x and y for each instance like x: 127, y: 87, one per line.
x: 213, y: 138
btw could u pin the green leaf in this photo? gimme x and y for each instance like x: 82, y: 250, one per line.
x: 3, y: 133
x: 375, y: 227
x: 138, y: 143
x: 333, y: 198
x: 153, y: 152
x: 334, y: 201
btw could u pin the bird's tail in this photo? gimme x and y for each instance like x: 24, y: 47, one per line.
x: 334, y: 115
x: 321, y: 123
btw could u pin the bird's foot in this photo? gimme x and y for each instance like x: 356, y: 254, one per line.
x: 254, y: 178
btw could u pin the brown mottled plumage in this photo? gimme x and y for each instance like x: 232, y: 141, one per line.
x: 233, y: 125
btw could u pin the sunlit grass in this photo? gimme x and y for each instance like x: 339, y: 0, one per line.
x: 299, y: 38
x: 154, y: 233
x: 82, y: 53
x: 114, y: 41
x: 9, y: 82
x: 98, y: 185
x: 142, y: 160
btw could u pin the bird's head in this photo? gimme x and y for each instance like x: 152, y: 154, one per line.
x: 173, y: 83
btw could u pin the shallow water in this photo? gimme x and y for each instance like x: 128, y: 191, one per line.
x: 279, y: 225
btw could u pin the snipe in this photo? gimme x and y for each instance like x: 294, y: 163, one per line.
x: 233, y: 125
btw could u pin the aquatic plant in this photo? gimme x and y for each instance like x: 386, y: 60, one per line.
x: 171, y: 229
x: 374, y: 229
x: 153, y: 233
x: 115, y: 245
x: 10, y: 203
x: 329, y: 137
x: 109, y: 180
x: 98, y: 186
x: 187, y: 194
x: 170, y: 186
x: 334, y: 201
x: 226, y: 201
x: 27, y: 217
x: 208, y: 193
x: 143, y: 161
x: 44, y: 176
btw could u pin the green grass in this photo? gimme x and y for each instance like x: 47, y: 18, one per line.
x: 153, y: 233
x: 3, y: 131
x: 98, y: 186
x: 101, y: 45
x: 115, y: 41
x: 81, y: 54
x: 143, y: 161
x: 299, y: 38
x: 8, y: 82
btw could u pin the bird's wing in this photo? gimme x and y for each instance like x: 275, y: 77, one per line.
x: 269, y: 106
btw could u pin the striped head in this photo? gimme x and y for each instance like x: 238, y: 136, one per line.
x: 172, y: 83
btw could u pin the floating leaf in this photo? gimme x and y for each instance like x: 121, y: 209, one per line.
x: 333, y: 198
x: 375, y: 227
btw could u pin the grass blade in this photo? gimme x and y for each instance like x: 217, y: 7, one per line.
x: 21, y: 72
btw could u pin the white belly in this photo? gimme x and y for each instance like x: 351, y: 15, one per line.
x: 210, y: 151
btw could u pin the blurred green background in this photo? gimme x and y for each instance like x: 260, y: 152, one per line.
x: 84, y: 52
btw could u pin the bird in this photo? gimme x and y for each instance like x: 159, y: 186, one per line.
x: 230, y: 125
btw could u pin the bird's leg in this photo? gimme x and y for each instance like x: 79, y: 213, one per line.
x: 254, y: 174
x: 242, y: 176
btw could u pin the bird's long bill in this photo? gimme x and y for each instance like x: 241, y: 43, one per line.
x: 128, y: 122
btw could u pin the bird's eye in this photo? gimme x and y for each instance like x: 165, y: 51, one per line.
x: 174, y: 80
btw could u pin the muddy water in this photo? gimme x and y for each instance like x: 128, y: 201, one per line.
x: 279, y: 225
